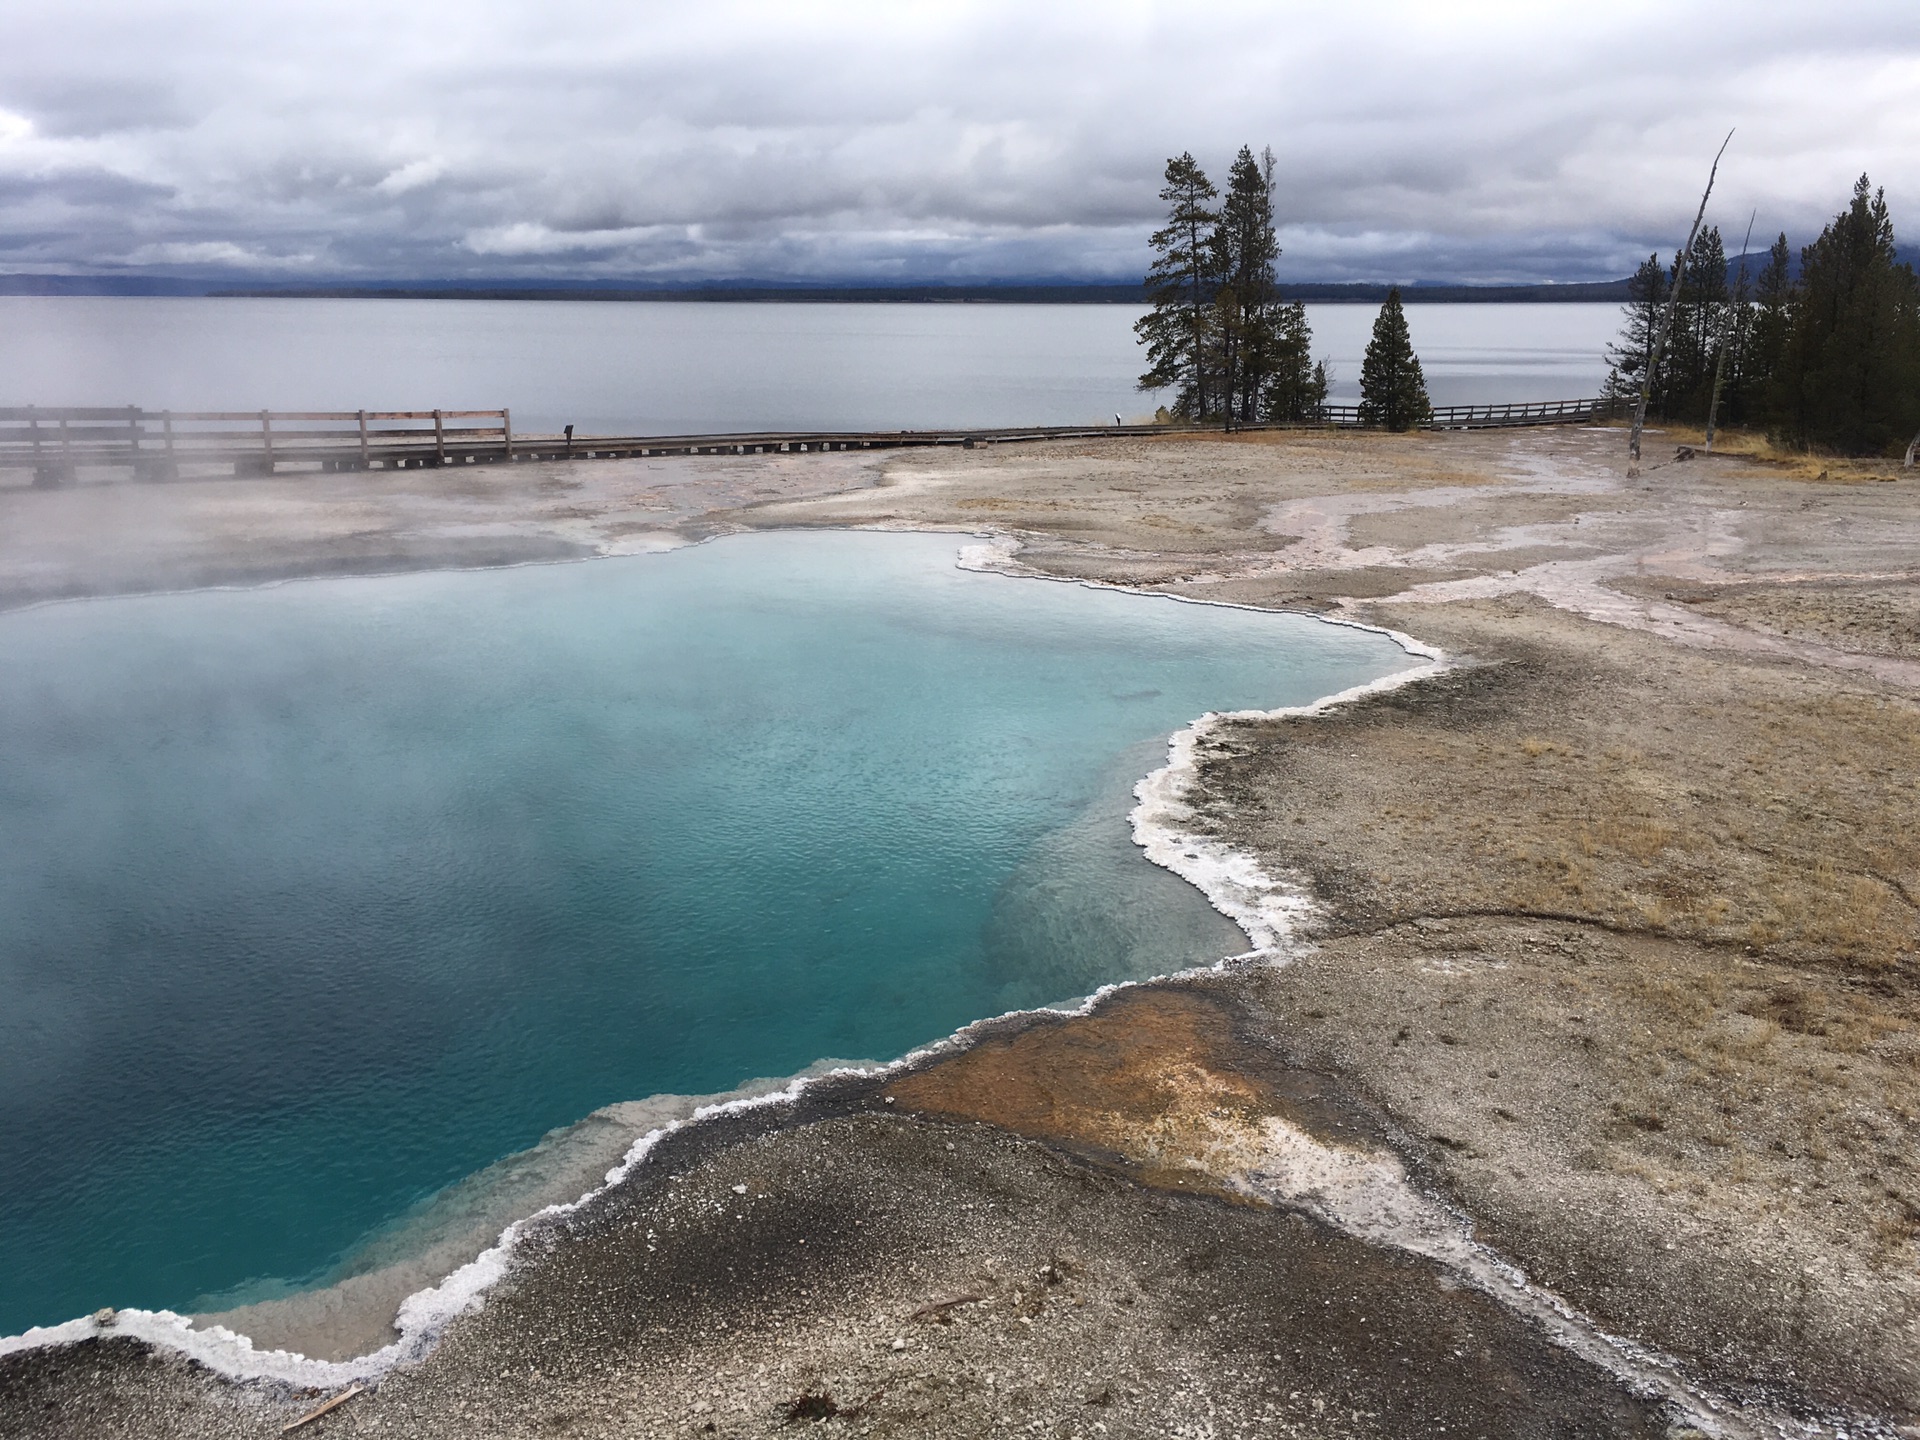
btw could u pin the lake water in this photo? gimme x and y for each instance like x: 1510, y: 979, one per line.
x: 319, y: 897
x: 692, y: 367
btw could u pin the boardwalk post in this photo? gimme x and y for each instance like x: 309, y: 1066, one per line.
x: 506, y: 434
x: 439, y: 440
x: 133, y: 434
x: 45, y: 475
x: 266, y: 440
x: 365, y: 463
x: 168, y: 468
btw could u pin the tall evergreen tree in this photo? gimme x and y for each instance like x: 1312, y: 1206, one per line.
x: 1181, y: 284
x: 1393, y: 392
x: 1771, y: 317
x: 1731, y: 399
x: 1849, y: 375
x: 1246, y: 249
x: 1296, y: 387
x: 1630, y: 355
x: 1696, y: 327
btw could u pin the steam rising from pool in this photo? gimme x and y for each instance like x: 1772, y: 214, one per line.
x: 324, y: 896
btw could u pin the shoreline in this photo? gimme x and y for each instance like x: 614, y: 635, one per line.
x: 1264, y: 909
x: 1375, y: 1202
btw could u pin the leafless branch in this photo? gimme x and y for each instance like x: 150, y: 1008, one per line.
x: 1666, y: 316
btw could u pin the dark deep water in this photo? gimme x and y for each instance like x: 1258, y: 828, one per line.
x: 321, y: 896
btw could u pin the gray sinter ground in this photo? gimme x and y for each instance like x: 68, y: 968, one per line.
x: 774, y: 1278
x: 1620, y: 938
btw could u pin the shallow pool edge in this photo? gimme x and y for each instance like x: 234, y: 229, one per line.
x: 1270, y: 911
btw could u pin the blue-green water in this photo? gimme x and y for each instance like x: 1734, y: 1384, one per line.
x: 317, y: 898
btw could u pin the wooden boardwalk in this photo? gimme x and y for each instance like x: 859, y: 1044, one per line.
x: 57, y: 444
x: 156, y: 444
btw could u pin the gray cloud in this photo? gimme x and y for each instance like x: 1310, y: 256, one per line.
x: 1488, y: 140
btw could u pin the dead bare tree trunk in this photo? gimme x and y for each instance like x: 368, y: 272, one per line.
x: 1666, y: 318
x: 1912, y: 446
x: 1739, y: 297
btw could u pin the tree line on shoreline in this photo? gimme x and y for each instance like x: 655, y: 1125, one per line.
x: 1218, y: 334
x: 1827, y: 358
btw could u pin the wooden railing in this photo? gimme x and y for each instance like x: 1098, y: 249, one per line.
x: 55, y: 443
x: 1488, y: 417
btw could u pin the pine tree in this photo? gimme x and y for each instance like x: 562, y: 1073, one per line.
x: 1733, y: 393
x: 1771, y: 317
x: 1696, y: 328
x: 1322, y: 382
x: 1246, y: 248
x: 1181, y: 285
x: 1629, y: 356
x: 1393, y: 392
x: 1295, y: 387
x: 1849, y: 374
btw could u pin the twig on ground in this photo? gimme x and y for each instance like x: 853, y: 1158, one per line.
x: 940, y: 1307
x: 321, y: 1409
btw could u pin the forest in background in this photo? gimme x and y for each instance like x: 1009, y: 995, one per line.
x: 1824, y: 357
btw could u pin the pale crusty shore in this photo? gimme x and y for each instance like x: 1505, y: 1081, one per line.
x: 1617, y: 956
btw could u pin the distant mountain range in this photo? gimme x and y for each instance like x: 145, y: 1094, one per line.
x: 1062, y: 292
x: 99, y: 285
x: 1054, y: 291
x: 1757, y: 261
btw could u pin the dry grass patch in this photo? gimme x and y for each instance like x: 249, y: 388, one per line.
x: 1747, y: 814
x: 1788, y: 461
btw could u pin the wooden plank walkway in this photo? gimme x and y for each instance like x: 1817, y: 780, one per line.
x: 56, y: 444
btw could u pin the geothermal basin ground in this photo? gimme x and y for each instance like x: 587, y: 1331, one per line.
x: 1582, y: 1100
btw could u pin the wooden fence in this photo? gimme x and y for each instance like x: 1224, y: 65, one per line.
x: 1493, y: 417
x: 155, y: 444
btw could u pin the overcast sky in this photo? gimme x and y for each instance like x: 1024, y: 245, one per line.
x: 339, y: 139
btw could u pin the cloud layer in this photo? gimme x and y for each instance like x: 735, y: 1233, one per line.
x: 317, y: 139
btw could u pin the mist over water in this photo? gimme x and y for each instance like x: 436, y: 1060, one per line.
x: 692, y: 367
x: 322, y: 896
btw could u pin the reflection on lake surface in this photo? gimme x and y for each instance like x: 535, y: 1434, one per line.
x: 682, y: 367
